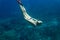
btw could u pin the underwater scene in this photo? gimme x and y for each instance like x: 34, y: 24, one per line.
x: 16, y: 24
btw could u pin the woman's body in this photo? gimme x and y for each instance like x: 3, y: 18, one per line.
x: 27, y: 17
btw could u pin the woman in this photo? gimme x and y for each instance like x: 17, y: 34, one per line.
x: 33, y: 21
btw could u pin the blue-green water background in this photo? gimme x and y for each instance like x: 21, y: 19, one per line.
x: 14, y: 27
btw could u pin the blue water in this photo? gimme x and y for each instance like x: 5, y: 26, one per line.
x: 14, y: 27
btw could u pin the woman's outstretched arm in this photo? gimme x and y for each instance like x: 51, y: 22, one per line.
x: 26, y: 16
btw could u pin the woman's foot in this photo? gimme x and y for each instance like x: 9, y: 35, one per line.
x: 19, y: 2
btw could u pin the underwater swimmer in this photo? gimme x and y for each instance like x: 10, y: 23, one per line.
x: 33, y: 21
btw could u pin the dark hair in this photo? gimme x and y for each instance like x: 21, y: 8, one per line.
x: 38, y: 24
